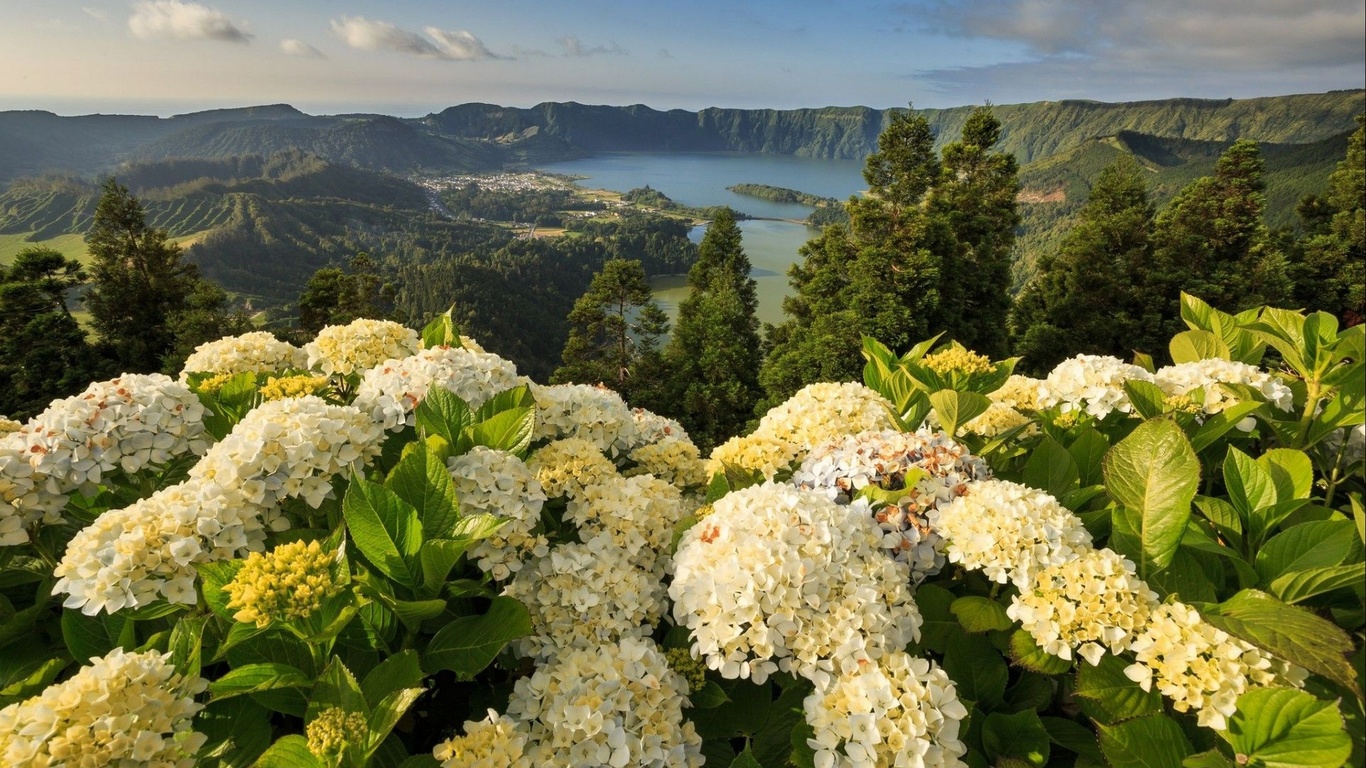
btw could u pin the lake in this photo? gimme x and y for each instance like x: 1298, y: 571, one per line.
x: 700, y: 179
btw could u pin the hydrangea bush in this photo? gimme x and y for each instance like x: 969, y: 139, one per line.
x: 388, y: 549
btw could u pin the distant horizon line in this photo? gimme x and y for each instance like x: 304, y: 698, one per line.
x: 167, y: 114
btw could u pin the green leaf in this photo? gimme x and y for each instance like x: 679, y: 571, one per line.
x: 421, y: 479
x: 468, y: 644
x: 979, y: 614
x: 238, y: 731
x: 1051, y: 468
x: 1292, y: 472
x: 289, y: 752
x: 441, y: 331
x: 1148, y: 399
x: 509, y: 431
x: 336, y: 687
x: 1194, y: 346
x: 1219, y: 424
x: 438, y: 557
x: 955, y: 409
x: 187, y: 644
x: 1223, y: 514
x: 1088, y: 452
x: 1109, y: 696
x: 1298, y: 586
x: 1286, y: 728
x: 1286, y: 632
x: 1209, y: 759
x: 1027, y: 653
x: 1284, y: 330
x: 1154, y: 474
x: 1155, y: 741
x: 507, y: 400
x: 940, y: 626
x: 1072, y: 736
x: 252, y: 678
x: 1316, y: 544
x: 709, y: 696
x: 401, y: 670
x: 1019, y: 737
x: 212, y: 578
x: 413, y: 612
x: 745, y: 760
x: 444, y: 414
x: 385, y: 528
x: 388, y: 712
x: 1250, y: 487
x: 1196, y: 314
x: 87, y: 636
x: 978, y: 670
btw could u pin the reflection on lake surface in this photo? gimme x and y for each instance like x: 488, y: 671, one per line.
x: 700, y: 179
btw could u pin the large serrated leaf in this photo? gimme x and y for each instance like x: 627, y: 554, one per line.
x: 444, y: 414
x: 1316, y: 544
x: 509, y: 430
x: 978, y: 670
x: 1155, y: 741
x: 955, y: 409
x: 421, y: 479
x: 1020, y: 738
x: 468, y: 644
x: 1051, y: 469
x: 385, y: 528
x: 1194, y: 346
x: 1298, y: 586
x: 289, y: 752
x: 401, y: 670
x: 1154, y: 474
x: 980, y: 614
x: 252, y: 678
x: 1110, y: 696
x: 1286, y: 728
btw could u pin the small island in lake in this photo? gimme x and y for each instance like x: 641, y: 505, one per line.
x: 828, y: 209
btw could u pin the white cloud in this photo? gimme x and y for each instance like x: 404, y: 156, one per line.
x: 175, y: 20
x: 453, y: 45
x: 301, y: 49
x: 573, y: 47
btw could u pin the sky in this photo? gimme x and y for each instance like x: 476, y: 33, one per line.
x: 413, y: 57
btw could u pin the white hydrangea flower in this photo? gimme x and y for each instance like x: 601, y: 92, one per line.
x: 565, y: 467
x: 595, y: 414
x: 581, y: 595
x: 652, y: 428
x: 638, y: 513
x: 824, y: 411
x: 1180, y: 380
x: 360, y: 345
x: 1009, y: 531
x: 125, y: 709
x: 843, y: 467
x: 672, y: 459
x: 762, y: 453
x: 1091, y: 383
x: 497, y: 741
x: 290, y: 448
x: 27, y: 498
x: 255, y: 352
x: 1018, y: 392
x: 1202, y: 668
x: 615, y: 705
x: 391, y: 391
x: 500, y: 484
x: 902, y: 711
x: 1089, y: 604
x: 147, y: 551
x: 778, y: 578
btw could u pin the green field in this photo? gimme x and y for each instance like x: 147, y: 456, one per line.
x: 72, y: 245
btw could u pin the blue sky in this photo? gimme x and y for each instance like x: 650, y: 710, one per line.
x: 414, y: 57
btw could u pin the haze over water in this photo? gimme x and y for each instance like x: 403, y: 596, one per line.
x: 700, y: 179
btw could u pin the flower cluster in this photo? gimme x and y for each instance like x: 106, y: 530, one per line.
x: 778, y: 578
x: 1208, y: 375
x: 285, y: 387
x: 595, y: 414
x: 901, y: 711
x: 843, y: 467
x: 10, y: 425
x: 390, y: 391
x: 500, y: 484
x: 26, y: 498
x: 638, y: 513
x: 583, y: 595
x: 607, y: 705
x: 289, y: 448
x: 956, y: 359
x: 673, y: 459
x: 997, y: 419
x: 123, y: 709
x: 1089, y: 604
x: 763, y: 454
x: 821, y: 412
x: 289, y: 582
x: 333, y: 730
x: 1018, y: 392
x: 651, y: 428
x: 497, y: 741
x: 254, y: 352
x: 359, y: 346
x: 565, y: 467
x: 1090, y: 383
x: 1199, y: 667
x: 1009, y: 531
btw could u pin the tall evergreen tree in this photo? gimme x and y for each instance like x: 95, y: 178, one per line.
x: 44, y: 353
x: 138, y: 281
x: 1329, y: 265
x: 713, y: 357
x: 614, y: 333
x: 336, y: 296
x: 1080, y: 299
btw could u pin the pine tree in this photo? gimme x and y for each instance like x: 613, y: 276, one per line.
x: 614, y: 333
x: 1329, y: 265
x: 138, y: 281
x: 714, y: 354
x: 1080, y: 299
x: 335, y: 296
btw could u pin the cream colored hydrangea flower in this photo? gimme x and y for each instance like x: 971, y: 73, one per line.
x: 27, y: 498
x: 391, y: 390
x: 1089, y: 604
x: 497, y: 741
x: 1091, y: 383
x: 565, y: 467
x: 583, y: 595
x: 994, y: 421
x: 285, y: 387
x: 1009, y: 531
x: 638, y: 513
x: 360, y: 345
x: 672, y: 459
x: 1202, y: 668
x: 1182, y: 379
x: 289, y: 449
x: 821, y: 412
x: 595, y: 414
x: 651, y: 428
x: 333, y: 730
x: 607, y: 705
x: 8, y: 426
x: 843, y: 467
x: 255, y: 352
x: 778, y: 578
x: 287, y: 583
x: 144, y: 552
x: 125, y: 709
x: 500, y: 484
x: 765, y: 454
x: 902, y: 711
x: 1018, y: 392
